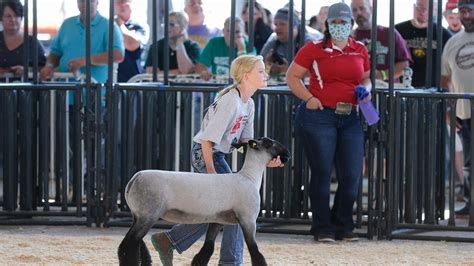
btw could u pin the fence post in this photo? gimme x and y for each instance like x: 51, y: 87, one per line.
x: 27, y: 154
x: 61, y: 150
x: 43, y: 146
x: 10, y: 176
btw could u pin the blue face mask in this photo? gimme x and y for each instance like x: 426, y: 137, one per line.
x: 340, y: 32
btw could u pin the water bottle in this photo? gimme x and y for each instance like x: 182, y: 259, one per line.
x: 407, y: 77
x: 368, y: 110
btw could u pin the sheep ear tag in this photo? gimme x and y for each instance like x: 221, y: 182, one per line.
x: 253, y: 144
x: 240, y: 149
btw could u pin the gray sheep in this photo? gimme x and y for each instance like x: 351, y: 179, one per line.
x: 191, y: 198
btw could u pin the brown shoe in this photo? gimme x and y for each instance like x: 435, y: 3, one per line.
x: 162, y: 244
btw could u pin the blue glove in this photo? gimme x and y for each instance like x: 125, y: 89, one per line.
x: 361, y: 92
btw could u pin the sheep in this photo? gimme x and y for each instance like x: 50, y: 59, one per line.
x: 191, y: 198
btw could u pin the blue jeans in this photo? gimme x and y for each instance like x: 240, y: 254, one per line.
x: 182, y: 236
x: 330, y: 139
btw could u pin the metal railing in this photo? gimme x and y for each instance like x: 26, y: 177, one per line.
x: 149, y: 125
x: 416, y: 200
x: 35, y: 133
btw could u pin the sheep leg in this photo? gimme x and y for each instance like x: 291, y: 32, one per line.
x: 249, y: 228
x: 133, y: 250
x: 204, y: 255
x: 145, y: 257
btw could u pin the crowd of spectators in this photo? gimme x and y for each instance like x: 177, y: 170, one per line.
x: 194, y: 46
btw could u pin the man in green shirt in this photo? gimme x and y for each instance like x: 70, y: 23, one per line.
x: 216, y: 53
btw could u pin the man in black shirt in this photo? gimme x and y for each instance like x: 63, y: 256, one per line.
x: 414, y: 32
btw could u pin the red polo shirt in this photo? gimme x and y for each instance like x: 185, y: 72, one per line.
x: 334, y: 73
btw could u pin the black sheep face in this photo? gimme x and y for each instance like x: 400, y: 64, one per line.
x: 272, y: 146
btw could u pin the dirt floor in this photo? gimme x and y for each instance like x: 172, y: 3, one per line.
x: 60, y: 245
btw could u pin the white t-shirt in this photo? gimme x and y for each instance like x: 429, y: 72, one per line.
x: 228, y: 120
x: 458, y: 62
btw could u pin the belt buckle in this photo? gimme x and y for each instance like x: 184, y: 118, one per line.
x: 343, y: 108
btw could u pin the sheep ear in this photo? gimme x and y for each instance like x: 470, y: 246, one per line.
x: 253, y: 144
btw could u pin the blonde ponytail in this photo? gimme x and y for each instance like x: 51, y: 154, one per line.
x: 240, y: 66
x: 225, y: 90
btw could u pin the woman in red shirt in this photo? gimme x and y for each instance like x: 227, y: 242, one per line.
x: 327, y: 121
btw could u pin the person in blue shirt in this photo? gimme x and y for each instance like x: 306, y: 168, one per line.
x: 68, y: 47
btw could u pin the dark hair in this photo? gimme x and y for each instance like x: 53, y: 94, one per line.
x: 269, y: 13
x: 14, y: 5
x: 327, y: 35
x: 258, y: 7
x: 313, y: 19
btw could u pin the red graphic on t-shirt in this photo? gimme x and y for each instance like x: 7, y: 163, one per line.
x: 236, y: 126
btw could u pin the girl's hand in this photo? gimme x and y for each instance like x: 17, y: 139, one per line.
x: 275, y: 162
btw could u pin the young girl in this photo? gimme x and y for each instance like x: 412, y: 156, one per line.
x: 228, y: 120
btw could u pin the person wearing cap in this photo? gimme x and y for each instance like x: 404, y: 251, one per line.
x: 452, y: 17
x: 362, y: 10
x: 457, y: 68
x: 327, y: 122
x: 275, y: 51
x: 414, y: 32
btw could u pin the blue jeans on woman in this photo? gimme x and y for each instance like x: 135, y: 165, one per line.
x: 328, y: 139
x: 183, y: 236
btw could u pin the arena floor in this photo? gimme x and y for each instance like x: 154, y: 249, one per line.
x: 66, y: 245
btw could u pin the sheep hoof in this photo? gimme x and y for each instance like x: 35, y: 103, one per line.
x: 199, y: 261
x: 259, y: 260
x: 204, y: 255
